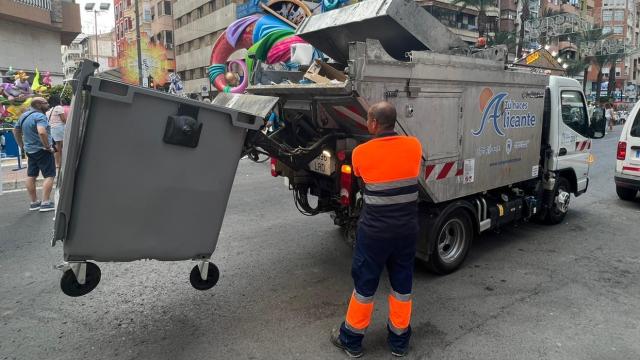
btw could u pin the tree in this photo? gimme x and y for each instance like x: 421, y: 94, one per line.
x: 594, y: 36
x: 524, y: 16
x: 613, y: 61
x: 482, y: 6
x: 503, y: 38
x: 576, y: 67
x: 63, y: 91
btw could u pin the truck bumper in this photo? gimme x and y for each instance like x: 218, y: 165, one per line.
x: 629, y: 182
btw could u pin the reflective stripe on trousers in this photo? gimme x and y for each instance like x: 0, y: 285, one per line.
x: 359, y: 313
x: 399, y: 312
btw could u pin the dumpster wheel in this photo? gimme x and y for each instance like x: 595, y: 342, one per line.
x: 89, y: 275
x: 201, y: 281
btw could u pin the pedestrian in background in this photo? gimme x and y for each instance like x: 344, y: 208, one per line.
x: 57, y: 120
x: 33, y: 135
x: 389, y: 166
x: 608, y: 114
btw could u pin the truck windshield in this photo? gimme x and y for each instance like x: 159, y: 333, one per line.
x: 574, y: 112
x: 635, y: 128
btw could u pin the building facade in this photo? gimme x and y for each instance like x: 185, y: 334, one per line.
x: 101, y: 49
x: 619, y: 19
x: 32, y: 33
x: 71, y: 56
x: 462, y: 21
x: 198, y: 23
x: 156, y: 31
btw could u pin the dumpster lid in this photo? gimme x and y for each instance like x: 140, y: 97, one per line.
x: 400, y: 26
x: 255, y: 105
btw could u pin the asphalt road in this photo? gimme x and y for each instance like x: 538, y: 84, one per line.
x: 569, y: 291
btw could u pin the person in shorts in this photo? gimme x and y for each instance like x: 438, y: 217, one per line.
x: 33, y: 134
x: 57, y: 120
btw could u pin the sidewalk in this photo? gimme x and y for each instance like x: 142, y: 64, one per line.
x: 15, y: 180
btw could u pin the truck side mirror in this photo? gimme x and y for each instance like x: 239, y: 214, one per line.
x: 597, y: 129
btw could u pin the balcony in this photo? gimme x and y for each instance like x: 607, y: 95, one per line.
x: 42, y: 4
x: 56, y: 15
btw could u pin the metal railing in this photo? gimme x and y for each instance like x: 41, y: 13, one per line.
x: 43, y: 4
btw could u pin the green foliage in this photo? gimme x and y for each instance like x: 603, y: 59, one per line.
x: 64, y: 96
x: 503, y: 38
x: 576, y: 67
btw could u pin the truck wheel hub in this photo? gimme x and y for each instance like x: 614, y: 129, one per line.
x: 562, y: 201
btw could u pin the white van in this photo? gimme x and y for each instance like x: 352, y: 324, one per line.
x: 627, y: 176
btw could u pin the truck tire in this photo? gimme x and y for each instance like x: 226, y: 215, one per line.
x: 453, y: 235
x: 560, y: 207
x: 626, y: 193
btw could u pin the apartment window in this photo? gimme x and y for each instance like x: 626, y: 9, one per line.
x: 199, y: 12
x: 618, y: 15
x: 227, y: 2
x: 197, y: 73
x: 168, y: 37
x: 164, y: 8
x: 178, y: 22
x: 212, y: 6
x: 153, y: 13
x: 606, y: 29
x: 195, y: 44
x: 618, y: 30
x: 606, y: 15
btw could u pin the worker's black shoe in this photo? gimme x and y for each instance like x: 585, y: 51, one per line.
x: 335, y: 340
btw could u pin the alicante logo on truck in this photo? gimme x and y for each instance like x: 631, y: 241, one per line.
x: 503, y: 113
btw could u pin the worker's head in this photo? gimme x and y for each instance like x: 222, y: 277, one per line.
x: 381, y: 117
x: 40, y: 103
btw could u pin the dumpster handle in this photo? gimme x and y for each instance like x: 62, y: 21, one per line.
x: 112, y: 90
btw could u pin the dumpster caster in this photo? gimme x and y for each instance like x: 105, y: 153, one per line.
x: 204, y: 276
x: 80, y: 278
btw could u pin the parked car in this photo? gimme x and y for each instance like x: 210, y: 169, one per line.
x: 627, y: 177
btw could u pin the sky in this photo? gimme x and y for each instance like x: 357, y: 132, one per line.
x: 106, y: 19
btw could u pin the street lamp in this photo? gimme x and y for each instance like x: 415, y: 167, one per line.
x: 103, y: 7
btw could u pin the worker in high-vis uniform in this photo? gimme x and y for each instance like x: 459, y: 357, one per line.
x: 389, y: 166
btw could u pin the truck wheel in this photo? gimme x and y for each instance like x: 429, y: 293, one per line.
x: 626, y: 193
x: 560, y: 206
x: 453, y: 237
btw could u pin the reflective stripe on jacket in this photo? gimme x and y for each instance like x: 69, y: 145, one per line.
x: 389, y: 165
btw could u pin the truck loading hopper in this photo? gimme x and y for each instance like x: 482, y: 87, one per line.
x: 399, y: 25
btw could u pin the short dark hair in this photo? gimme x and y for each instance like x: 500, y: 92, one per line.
x: 385, y: 114
x: 54, y: 100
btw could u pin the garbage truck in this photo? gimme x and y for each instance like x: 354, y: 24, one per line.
x: 500, y: 144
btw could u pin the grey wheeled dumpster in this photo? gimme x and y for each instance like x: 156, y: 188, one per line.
x: 146, y: 175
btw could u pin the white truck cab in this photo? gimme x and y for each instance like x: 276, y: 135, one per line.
x: 570, y: 133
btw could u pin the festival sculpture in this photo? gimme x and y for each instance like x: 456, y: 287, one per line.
x: 16, y: 93
x: 266, y: 37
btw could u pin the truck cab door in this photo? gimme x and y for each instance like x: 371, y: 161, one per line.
x: 573, y: 135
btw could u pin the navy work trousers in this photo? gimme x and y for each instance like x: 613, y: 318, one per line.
x: 394, y: 249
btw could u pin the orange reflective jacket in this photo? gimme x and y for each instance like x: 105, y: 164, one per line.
x: 389, y: 166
